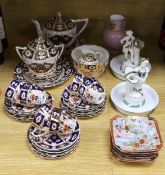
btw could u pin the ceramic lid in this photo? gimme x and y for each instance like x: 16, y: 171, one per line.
x: 40, y: 43
x: 60, y: 23
x: 40, y: 49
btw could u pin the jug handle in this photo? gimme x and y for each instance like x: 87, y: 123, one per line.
x: 80, y: 65
x: 18, y: 49
x: 98, y: 56
x: 61, y: 46
x: 85, y: 20
x: 81, y: 61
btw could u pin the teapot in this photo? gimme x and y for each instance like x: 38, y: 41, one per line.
x: 40, y: 55
x: 61, y: 29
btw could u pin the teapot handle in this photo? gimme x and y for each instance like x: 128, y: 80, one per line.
x: 85, y: 20
x: 61, y: 47
x: 19, y: 51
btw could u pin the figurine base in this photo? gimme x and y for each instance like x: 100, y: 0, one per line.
x: 150, y: 96
x: 116, y: 66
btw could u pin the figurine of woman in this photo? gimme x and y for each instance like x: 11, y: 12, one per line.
x: 135, y: 79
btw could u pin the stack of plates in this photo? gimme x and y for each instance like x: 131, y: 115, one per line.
x: 63, y: 72
x: 16, y: 100
x: 135, y: 138
x: 73, y: 101
x: 45, y: 135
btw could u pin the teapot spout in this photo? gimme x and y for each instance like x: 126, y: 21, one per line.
x: 19, y: 51
x: 38, y: 27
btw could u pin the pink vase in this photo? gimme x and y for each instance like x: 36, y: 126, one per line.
x: 114, y: 33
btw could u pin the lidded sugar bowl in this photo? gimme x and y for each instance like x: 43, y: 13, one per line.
x: 61, y: 29
x: 40, y: 55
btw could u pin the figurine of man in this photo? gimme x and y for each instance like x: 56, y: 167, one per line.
x: 128, y: 42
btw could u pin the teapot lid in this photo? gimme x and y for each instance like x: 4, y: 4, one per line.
x: 60, y: 23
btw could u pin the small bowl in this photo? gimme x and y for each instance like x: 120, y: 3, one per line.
x: 90, y: 60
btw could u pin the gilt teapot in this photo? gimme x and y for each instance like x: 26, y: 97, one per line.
x: 40, y: 55
x: 61, y: 29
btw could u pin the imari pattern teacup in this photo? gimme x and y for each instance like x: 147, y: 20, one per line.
x: 89, y: 88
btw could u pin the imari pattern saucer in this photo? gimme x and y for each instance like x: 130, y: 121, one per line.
x: 23, y: 99
x: 63, y: 72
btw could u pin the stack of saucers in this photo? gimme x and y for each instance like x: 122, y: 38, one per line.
x: 53, y: 133
x: 135, y: 138
x: 84, y: 98
x: 23, y: 99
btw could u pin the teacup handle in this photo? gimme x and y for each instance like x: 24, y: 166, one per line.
x: 85, y: 20
x: 19, y: 51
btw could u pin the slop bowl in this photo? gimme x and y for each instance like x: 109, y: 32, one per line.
x: 90, y: 60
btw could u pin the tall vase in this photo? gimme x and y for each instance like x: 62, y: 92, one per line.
x: 114, y: 33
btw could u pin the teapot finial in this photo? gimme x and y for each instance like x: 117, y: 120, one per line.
x: 59, y: 14
x: 38, y: 27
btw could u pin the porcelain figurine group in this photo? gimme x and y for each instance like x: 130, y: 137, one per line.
x: 132, y: 96
x: 53, y: 132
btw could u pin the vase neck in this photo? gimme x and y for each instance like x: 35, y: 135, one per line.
x: 117, y: 22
